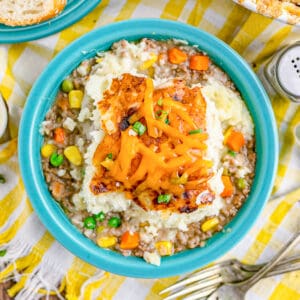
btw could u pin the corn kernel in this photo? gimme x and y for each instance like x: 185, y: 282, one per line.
x: 107, y: 241
x: 227, y: 134
x: 148, y: 63
x: 99, y: 59
x: 47, y: 150
x: 164, y: 248
x: 209, y: 224
x: 73, y: 155
x: 107, y: 163
x: 75, y: 98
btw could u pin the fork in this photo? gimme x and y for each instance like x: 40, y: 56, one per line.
x: 231, y: 272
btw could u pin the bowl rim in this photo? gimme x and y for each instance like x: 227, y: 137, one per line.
x: 42, y: 95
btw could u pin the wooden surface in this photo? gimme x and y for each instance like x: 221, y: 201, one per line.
x: 3, y: 294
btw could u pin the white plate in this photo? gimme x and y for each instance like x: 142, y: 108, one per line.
x: 285, y: 16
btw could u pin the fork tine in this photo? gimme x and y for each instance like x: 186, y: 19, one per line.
x: 203, y: 274
x: 214, y: 281
x: 189, y: 280
x: 201, y: 294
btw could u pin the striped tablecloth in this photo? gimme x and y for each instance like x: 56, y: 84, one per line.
x: 37, y: 262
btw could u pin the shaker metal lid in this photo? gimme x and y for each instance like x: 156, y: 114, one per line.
x: 288, y: 70
x: 3, y: 117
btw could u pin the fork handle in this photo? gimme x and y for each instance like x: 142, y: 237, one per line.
x: 245, y: 285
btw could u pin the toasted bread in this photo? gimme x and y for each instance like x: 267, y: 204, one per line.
x: 28, y: 12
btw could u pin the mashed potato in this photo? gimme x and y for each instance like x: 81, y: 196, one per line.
x: 224, y: 108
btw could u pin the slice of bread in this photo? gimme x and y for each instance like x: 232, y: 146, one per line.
x: 27, y: 12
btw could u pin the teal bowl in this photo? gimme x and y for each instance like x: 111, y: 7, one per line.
x: 43, y: 94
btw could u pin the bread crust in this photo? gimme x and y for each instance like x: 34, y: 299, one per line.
x: 58, y: 6
x: 276, y: 8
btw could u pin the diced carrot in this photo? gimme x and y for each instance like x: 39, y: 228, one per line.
x: 235, y: 141
x: 129, y: 240
x: 228, y: 187
x: 176, y: 56
x: 59, y: 135
x: 199, y: 62
x: 57, y: 189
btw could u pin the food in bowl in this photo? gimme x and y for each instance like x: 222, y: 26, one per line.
x: 286, y: 10
x: 149, y: 148
x: 276, y: 8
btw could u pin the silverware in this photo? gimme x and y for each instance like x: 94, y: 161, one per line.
x: 206, y: 281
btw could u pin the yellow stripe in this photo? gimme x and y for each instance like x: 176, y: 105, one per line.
x: 281, y: 210
x: 8, y: 151
x: 11, y: 201
x: 280, y: 106
x: 264, y: 237
x: 8, y: 235
x: 159, y: 285
x: 284, y: 292
x: 83, y: 26
x: 173, y: 9
x: 287, y: 148
x: 60, y: 290
x: 237, y: 16
x: 252, y: 28
x: 292, y: 281
x: 111, y: 286
x: 127, y: 10
x: 8, y: 81
x: 78, y: 273
x: 91, y: 287
x: 198, y: 12
x: 273, y: 44
x: 274, y: 221
x: 34, y: 259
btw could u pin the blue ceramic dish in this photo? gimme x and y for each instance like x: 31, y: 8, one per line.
x: 43, y: 94
x: 74, y: 11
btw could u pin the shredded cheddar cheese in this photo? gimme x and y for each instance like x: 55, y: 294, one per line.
x: 147, y: 165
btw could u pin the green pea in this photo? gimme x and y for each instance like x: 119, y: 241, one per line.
x: 241, y: 183
x: 114, y: 222
x: 2, y: 179
x: 67, y: 86
x: 109, y: 156
x: 56, y: 159
x: 232, y: 153
x: 164, y: 198
x: 89, y: 223
x: 100, y: 216
x: 3, y: 252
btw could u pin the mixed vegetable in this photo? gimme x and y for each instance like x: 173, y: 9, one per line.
x: 109, y: 230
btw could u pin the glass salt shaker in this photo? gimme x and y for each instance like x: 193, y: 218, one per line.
x: 282, y: 72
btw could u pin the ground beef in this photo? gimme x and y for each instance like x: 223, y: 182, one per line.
x: 71, y: 177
